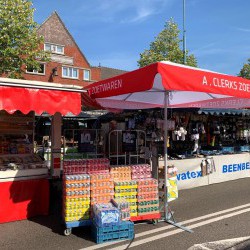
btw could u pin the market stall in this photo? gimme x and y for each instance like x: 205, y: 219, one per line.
x: 24, y: 180
x: 165, y: 85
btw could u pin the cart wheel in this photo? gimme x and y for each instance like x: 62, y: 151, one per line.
x: 155, y: 221
x: 67, y: 231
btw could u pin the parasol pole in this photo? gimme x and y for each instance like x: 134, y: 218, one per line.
x: 168, y: 214
x: 166, y: 103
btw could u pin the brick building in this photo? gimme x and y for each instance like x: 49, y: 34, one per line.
x: 68, y: 65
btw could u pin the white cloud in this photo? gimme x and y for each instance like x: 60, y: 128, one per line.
x: 243, y: 29
x: 123, y: 11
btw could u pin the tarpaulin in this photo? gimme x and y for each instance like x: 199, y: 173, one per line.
x: 39, y: 100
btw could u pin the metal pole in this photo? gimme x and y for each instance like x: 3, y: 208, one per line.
x: 184, y: 33
x: 166, y: 96
x: 167, y: 211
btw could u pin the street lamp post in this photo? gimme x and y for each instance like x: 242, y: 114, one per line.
x: 184, y: 33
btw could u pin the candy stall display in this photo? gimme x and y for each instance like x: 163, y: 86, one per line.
x: 127, y: 190
x: 101, y: 187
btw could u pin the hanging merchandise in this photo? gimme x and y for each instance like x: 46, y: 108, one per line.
x: 210, y: 165
x: 195, y: 137
x: 131, y: 123
x: 207, y: 166
x: 180, y: 133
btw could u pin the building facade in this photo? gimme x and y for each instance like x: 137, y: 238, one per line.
x: 67, y: 64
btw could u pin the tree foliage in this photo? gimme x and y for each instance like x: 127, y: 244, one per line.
x: 166, y: 47
x: 19, y: 42
x: 245, y: 71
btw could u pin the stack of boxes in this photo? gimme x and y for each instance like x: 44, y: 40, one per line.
x: 89, y: 182
x: 141, y: 171
x: 108, y: 226
x: 127, y: 190
x: 102, y: 188
x: 147, y: 196
x: 98, y: 166
x: 87, y: 166
x: 123, y: 206
x: 121, y: 173
x: 76, y: 197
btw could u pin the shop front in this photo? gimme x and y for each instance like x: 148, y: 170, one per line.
x: 24, y: 176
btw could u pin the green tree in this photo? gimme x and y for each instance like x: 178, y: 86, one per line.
x: 19, y: 42
x: 245, y: 71
x: 166, y: 47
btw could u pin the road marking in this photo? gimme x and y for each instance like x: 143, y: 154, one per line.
x: 193, y: 220
x: 226, y: 244
x: 169, y: 226
x: 163, y: 235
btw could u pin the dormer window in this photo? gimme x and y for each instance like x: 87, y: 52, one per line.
x: 54, y: 48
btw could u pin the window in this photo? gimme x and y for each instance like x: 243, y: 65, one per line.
x: 86, y: 75
x: 70, y: 72
x: 41, y: 71
x: 54, y: 48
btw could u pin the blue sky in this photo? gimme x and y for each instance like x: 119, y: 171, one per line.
x: 115, y: 32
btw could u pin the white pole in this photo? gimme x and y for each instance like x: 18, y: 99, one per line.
x: 184, y: 33
x: 166, y: 102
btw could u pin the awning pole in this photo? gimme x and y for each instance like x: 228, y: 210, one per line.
x: 168, y: 214
x: 166, y: 103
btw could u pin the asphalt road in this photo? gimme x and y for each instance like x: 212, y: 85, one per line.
x: 217, y: 214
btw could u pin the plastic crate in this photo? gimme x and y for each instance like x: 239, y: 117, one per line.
x: 122, y: 231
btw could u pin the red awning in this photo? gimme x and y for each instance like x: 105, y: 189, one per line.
x: 39, y: 100
x: 186, y: 87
